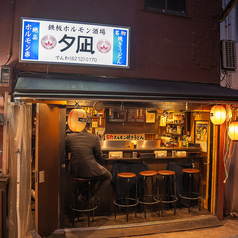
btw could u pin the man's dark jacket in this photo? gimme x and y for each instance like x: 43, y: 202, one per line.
x: 85, y: 149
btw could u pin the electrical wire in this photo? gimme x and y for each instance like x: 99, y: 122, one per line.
x: 228, y: 151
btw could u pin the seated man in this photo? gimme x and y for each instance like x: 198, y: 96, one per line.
x: 85, y: 152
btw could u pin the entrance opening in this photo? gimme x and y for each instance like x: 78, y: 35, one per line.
x: 161, y: 133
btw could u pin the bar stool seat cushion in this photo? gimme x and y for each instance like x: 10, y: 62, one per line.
x: 191, y: 171
x: 126, y: 175
x: 148, y: 173
x: 166, y: 172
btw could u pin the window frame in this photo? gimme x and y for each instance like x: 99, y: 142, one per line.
x: 166, y: 11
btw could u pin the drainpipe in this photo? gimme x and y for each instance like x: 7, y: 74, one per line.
x: 227, y: 10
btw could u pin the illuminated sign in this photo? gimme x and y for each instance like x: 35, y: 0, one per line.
x: 60, y: 42
x: 125, y: 137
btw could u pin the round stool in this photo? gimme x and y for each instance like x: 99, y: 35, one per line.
x: 192, y: 193
x: 125, y: 200
x: 80, y: 203
x: 168, y: 179
x: 144, y: 186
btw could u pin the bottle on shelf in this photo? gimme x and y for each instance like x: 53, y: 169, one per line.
x: 188, y: 138
x: 184, y: 138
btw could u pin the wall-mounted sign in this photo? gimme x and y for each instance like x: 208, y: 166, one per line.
x: 117, y: 115
x: 5, y: 74
x: 201, y: 134
x: 125, y: 137
x: 52, y: 41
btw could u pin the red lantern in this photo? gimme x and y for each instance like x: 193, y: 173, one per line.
x: 77, y: 120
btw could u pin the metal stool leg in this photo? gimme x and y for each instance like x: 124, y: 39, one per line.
x: 162, y: 204
x: 157, y: 193
x: 93, y: 193
x: 181, y: 190
x: 89, y: 196
x: 199, y: 192
x: 144, y: 206
x: 116, y: 199
x: 136, y: 200
x: 73, y: 202
x: 174, y: 193
x: 190, y: 192
x: 127, y: 199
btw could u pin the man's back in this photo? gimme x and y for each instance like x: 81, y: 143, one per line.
x: 85, y: 149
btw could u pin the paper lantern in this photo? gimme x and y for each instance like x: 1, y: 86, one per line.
x: 233, y: 131
x: 77, y: 120
x: 218, y: 114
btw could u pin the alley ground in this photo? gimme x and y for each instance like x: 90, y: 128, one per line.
x: 227, y: 228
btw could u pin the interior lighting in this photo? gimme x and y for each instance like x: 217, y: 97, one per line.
x: 77, y: 120
x: 218, y: 114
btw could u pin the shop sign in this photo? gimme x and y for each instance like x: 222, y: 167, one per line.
x: 124, y: 137
x: 60, y: 42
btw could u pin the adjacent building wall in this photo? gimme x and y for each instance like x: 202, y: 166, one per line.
x: 229, y: 32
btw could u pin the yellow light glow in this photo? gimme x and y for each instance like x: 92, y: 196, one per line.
x: 218, y: 114
x: 233, y: 131
x: 77, y: 120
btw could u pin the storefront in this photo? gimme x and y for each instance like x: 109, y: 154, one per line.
x: 136, y: 107
x: 132, y: 110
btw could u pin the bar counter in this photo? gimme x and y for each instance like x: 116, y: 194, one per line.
x: 144, y: 148
x: 193, y: 154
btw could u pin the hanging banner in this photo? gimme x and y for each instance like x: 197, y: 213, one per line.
x: 60, y: 42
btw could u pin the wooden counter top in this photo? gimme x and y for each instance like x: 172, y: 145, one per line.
x: 155, y: 159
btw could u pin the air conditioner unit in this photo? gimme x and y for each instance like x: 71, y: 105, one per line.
x: 228, y: 54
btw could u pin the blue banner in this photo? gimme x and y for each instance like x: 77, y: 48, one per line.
x: 120, y: 47
x: 31, y: 40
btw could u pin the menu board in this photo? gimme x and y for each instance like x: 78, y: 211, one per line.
x: 117, y: 115
x: 136, y: 115
x: 126, y: 115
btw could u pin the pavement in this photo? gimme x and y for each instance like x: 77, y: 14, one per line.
x: 228, y: 230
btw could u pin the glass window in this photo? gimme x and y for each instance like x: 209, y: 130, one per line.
x: 167, y: 6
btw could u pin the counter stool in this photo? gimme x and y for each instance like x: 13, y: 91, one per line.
x: 125, y: 200
x: 167, y: 180
x: 82, y: 206
x: 144, y: 186
x: 191, y: 194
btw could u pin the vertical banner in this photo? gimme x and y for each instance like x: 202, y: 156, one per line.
x: 31, y: 40
x: 119, y: 47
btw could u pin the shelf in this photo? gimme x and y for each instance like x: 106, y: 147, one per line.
x: 174, y: 134
x: 177, y: 124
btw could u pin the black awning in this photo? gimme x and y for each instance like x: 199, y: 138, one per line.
x: 71, y: 87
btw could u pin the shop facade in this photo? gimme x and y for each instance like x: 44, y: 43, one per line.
x: 174, y: 67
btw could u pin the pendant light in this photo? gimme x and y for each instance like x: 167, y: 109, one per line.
x: 233, y: 131
x: 233, y: 128
x: 218, y: 114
